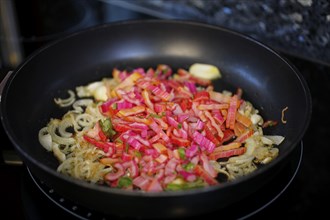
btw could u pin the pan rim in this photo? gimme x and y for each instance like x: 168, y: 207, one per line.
x: 81, y: 183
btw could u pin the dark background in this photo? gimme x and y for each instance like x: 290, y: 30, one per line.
x: 298, y: 29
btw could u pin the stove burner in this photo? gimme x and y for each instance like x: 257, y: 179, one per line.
x: 39, y: 199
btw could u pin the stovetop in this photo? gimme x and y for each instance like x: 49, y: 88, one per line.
x: 39, y: 200
x: 299, y: 28
x: 301, y: 195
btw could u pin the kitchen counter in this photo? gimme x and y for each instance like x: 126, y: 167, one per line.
x: 300, y: 28
x: 302, y: 198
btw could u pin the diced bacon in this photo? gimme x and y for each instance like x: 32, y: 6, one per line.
x: 155, y: 127
x: 117, y: 174
x: 161, y: 158
x: 141, y: 182
x: 210, y: 135
x: 239, y: 129
x: 126, y: 157
x: 199, y: 125
x: 163, y: 71
x: 170, y: 167
x: 159, y: 107
x: 138, y: 126
x: 142, y: 140
x: 244, y: 136
x: 109, y: 161
x: 214, y: 124
x: 192, y: 150
x: 143, y: 120
x: 185, y: 126
x: 228, y: 153
x: 177, y: 109
x: 123, y: 104
x: 176, y: 154
x: 203, y: 142
x: 184, y: 93
x: 132, y: 141
x: 207, y: 166
x: 172, y: 121
x: 132, y: 111
x: 159, y: 147
x: 165, y: 96
x: 169, y: 178
x: 201, y: 95
x: 160, y: 174
x: 190, y: 177
x: 191, y: 86
x: 151, y: 152
x: 183, y: 134
x: 150, y: 167
x: 243, y: 119
x: 129, y: 97
x: 154, y: 138
x: 145, y: 95
x: 164, y: 136
x: 230, y: 146
x: 200, y: 81
x: 132, y: 168
x: 181, y: 142
x: 212, y: 106
x: 107, y: 105
x: 218, y: 116
x: 195, y: 160
x: 163, y: 123
x: 205, y: 175
x: 139, y: 70
x: 147, y: 158
x: 182, y: 117
x: 219, y: 97
x: 228, y: 135
x: 129, y: 81
x: 231, y: 117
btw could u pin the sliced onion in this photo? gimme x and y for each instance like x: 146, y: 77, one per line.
x: 63, y: 126
x: 94, y: 110
x: 266, y: 140
x: 276, y: 139
x: 82, y: 91
x: 91, y: 87
x: 52, y: 128
x: 241, y: 159
x: 77, y: 105
x: 100, y: 93
x: 68, y: 101
x: 58, y: 153
x: 266, y: 160
x: 255, y: 118
x: 45, y: 139
x: 95, y: 89
x: 85, y: 120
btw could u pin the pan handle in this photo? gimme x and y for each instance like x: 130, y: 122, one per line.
x: 8, y: 156
x: 3, y: 82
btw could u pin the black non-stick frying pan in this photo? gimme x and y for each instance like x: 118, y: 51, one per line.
x: 267, y: 80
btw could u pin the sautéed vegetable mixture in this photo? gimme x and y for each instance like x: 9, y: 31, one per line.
x: 158, y: 130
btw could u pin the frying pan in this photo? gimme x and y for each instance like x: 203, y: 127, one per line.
x: 269, y: 81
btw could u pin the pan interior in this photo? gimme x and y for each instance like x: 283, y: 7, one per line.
x: 266, y: 79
